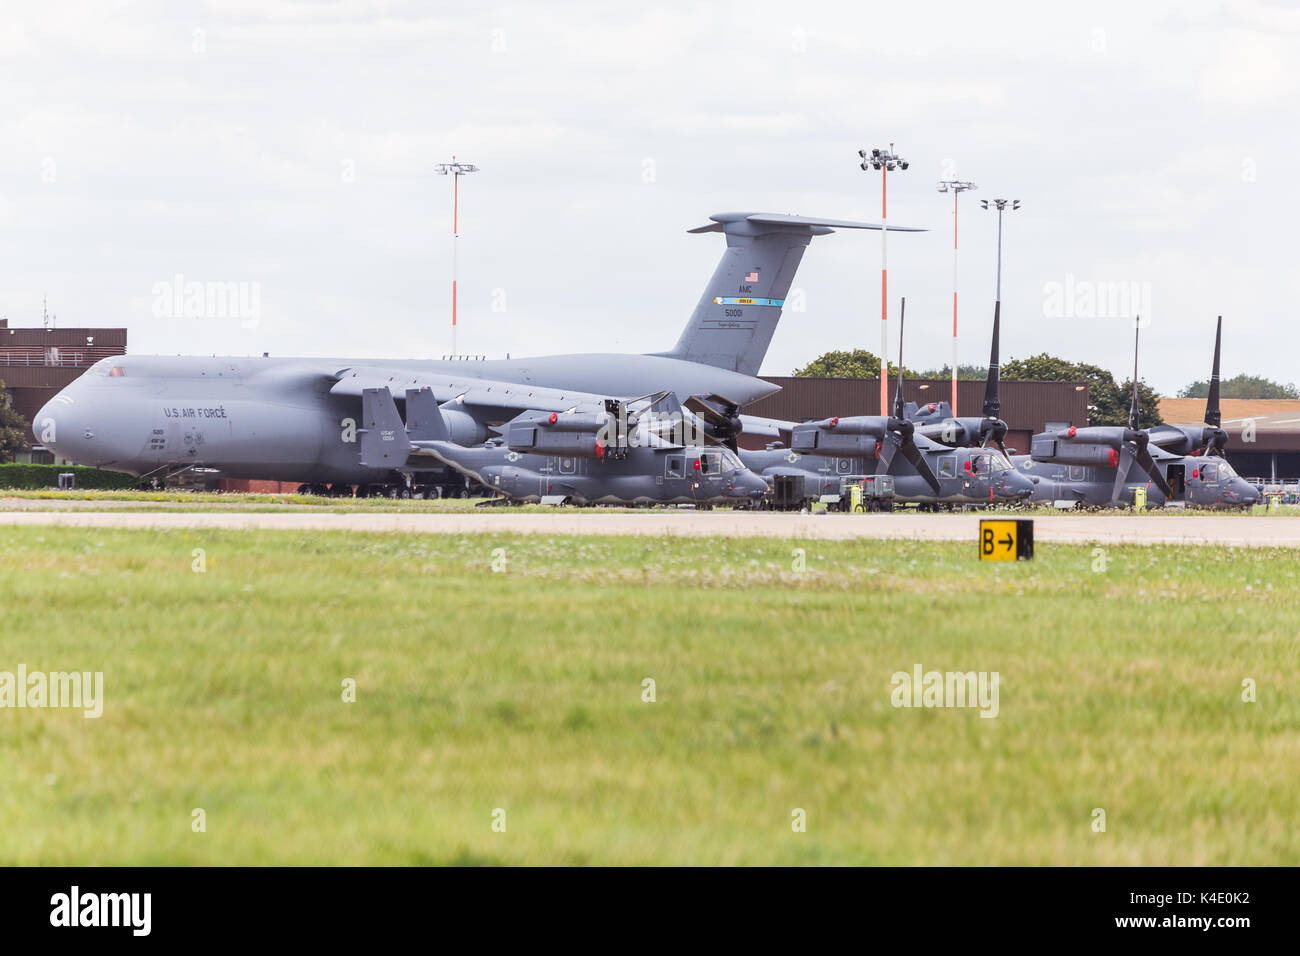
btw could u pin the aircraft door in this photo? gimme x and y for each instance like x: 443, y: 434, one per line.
x: 1177, y: 478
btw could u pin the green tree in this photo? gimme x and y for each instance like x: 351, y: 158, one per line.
x: 858, y: 363
x: 965, y: 373
x: 13, y: 428
x: 1242, y: 386
x: 1108, y: 401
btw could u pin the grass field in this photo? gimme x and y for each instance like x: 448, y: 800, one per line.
x: 522, y: 690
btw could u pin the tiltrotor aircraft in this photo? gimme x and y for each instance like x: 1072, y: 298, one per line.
x: 1102, y: 466
x: 935, y: 420
x: 648, y: 451
x: 929, y: 472
x: 295, y: 419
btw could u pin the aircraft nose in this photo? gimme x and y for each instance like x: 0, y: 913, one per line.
x: 1245, y: 492
x: 1018, y: 485
x: 750, y: 485
x: 51, y: 424
x: 71, y: 430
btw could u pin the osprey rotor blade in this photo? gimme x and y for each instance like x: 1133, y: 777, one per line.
x: 1151, y: 468
x: 913, y: 455
x: 888, y: 446
x: 1214, y: 435
x: 1213, y: 416
x: 992, y: 398
x: 1121, y: 472
x: 898, y: 395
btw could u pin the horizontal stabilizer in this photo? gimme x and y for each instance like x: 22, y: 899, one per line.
x: 820, y: 225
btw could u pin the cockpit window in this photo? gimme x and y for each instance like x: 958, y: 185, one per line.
x: 1226, y: 470
x: 987, y: 462
x: 1209, y: 473
x: 710, y: 463
x: 117, y: 371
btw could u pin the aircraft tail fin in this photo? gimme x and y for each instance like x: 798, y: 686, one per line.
x: 424, y: 421
x: 383, y: 436
x: 736, y: 317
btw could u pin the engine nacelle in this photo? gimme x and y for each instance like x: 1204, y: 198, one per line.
x: 860, y: 435
x: 1188, y: 439
x: 463, y: 428
x: 955, y: 432
x: 533, y: 438
x: 814, y: 440
x: 575, y: 422
x: 1049, y: 448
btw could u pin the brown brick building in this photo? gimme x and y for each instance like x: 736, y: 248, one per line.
x: 36, y: 362
x: 1027, y: 407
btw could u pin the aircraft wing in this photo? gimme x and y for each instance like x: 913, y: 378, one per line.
x: 465, y: 390
x: 765, y: 427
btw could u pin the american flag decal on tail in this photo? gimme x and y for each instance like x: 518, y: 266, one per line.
x: 752, y: 276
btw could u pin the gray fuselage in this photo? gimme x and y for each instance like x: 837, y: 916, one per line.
x: 984, y: 481
x: 1201, y: 481
x: 295, y: 419
x: 682, y: 475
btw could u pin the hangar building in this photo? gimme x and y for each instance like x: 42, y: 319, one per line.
x: 1263, y: 433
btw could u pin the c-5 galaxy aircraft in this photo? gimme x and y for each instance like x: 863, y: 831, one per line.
x: 626, y: 453
x: 295, y: 419
x: 928, y: 472
x: 1103, y: 466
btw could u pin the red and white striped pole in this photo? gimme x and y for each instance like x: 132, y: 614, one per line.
x: 884, y: 160
x: 455, y: 170
x: 958, y: 187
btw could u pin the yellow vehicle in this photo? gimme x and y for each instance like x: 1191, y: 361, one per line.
x: 868, y: 493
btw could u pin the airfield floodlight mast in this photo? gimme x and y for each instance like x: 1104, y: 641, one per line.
x: 455, y: 170
x: 1001, y: 205
x: 885, y: 160
x: 956, y: 187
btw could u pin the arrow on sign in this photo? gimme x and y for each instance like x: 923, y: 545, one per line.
x: 1008, y: 541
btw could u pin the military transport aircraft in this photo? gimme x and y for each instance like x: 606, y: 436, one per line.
x: 1103, y: 466
x: 826, y: 453
x: 648, y: 451
x: 295, y: 419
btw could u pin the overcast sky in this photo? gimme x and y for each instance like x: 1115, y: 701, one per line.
x: 292, y: 146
